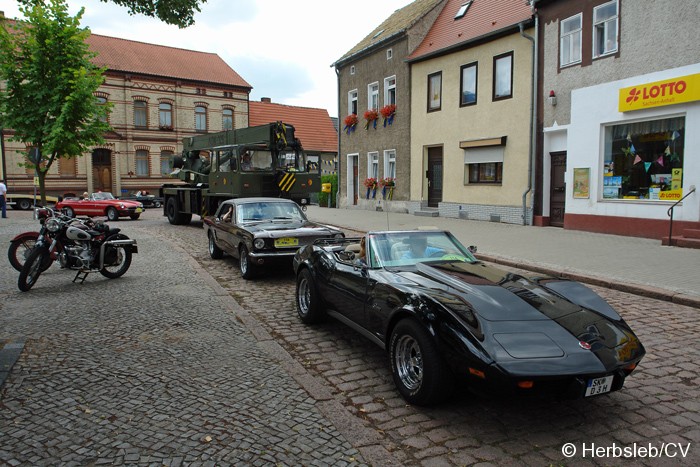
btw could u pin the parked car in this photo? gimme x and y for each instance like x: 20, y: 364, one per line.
x: 261, y: 232
x: 441, y: 314
x: 100, y: 204
x: 148, y: 200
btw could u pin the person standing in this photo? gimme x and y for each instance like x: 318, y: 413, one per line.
x: 3, y: 198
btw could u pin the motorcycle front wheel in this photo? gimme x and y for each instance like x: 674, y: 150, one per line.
x: 32, y: 268
x: 117, y: 261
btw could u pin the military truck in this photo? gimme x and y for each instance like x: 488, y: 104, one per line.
x: 265, y: 160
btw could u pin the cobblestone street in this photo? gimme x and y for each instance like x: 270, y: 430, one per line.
x: 181, y: 361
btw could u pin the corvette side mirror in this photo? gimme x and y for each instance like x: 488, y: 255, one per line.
x: 472, y: 249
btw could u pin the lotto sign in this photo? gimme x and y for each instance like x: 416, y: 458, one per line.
x: 660, y: 93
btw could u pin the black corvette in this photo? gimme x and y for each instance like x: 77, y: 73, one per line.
x: 441, y: 315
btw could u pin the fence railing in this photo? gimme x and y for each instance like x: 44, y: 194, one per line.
x: 670, y: 214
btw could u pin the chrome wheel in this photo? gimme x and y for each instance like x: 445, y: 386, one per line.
x: 409, y: 362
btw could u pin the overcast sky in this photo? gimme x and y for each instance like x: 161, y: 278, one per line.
x: 283, y: 48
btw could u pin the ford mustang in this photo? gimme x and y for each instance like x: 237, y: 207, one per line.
x: 442, y: 316
x: 100, y: 204
x: 261, y: 232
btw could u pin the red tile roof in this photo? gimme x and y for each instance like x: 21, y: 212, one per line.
x: 158, y: 60
x: 314, y: 127
x: 483, y: 18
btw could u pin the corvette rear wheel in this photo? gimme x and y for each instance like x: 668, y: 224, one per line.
x: 308, y: 306
x: 112, y: 214
x: 420, y: 374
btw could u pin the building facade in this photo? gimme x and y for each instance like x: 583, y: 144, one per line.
x: 159, y: 95
x: 619, y: 113
x: 374, y: 93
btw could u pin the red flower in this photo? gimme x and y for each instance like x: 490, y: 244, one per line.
x: 388, y: 110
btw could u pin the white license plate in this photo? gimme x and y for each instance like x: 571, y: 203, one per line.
x: 599, y: 385
x: 286, y: 241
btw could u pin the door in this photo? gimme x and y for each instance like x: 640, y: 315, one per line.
x: 557, y: 190
x: 434, y: 175
x: 102, y: 170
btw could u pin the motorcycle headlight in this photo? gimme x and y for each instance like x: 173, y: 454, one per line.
x: 52, y: 225
x: 259, y: 243
x: 339, y: 235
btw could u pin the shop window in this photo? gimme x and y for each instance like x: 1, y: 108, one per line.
x: 140, y: 116
x: 483, y: 164
x: 373, y: 165
x: 166, y: 164
x: 644, y: 160
x: 227, y: 119
x: 141, y: 163
x: 200, y: 118
x: 488, y: 172
x: 352, y: 102
x: 434, y: 91
x: 570, y: 41
x: 605, y: 29
x: 503, y: 76
x: 165, y: 116
x: 467, y: 91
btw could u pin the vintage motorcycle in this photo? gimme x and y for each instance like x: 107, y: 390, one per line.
x: 22, y: 244
x: 83, y: 245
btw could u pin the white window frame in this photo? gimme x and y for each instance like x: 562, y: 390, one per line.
x: 142, y: 163
x: 390, y: 163
x: 568, y: 40
x: 389, y: 54
x: 390, y: 90
x: 373, y: 164
x: 605, y: 24
x: 352, y: 97
x: 373, y: 95
x: 352, y: 69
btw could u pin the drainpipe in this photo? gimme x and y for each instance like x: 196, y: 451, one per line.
x: 340, y: 132
x: 533, y: 115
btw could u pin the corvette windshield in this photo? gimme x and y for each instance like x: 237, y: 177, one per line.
x: 102, y: 196
x: 409, y: 248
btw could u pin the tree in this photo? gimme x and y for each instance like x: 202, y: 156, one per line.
x: 177, y: 12
x: 48, y: 99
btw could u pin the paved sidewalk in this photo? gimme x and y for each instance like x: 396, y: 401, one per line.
x: 638, y: 265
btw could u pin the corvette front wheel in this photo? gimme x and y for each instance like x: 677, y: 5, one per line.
x: 419, y: 372
x: 308, y: 306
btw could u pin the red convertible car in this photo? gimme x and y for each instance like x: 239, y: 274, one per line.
x: 101, y: 204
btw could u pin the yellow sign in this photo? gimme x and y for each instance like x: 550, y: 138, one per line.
x: 325, y: 187
x: 36, y: 181
x: 660, y: 93
x: 670, y: 195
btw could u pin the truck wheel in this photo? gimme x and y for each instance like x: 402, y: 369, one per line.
x: 24, y: 204
x: 175, y: 217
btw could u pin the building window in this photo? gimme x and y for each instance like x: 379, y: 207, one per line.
x: 166, y: 162
x: 141, y: 163
x: 352, y: 69
x: 165, y: 116
x: 463, y: 9
x: 489, y: 172
x: 483, y: 164
x: 390, y: 163
x: 102, y: 101
x: 140, y: 114
x: 373, y: 96
x: 434, y: 91
x: 352, y: 102
x: 467, y: 93
x: 605, y: 29
x: 503, y: 76
x: 644, y: 160
x: 390, y: 90
x: 227, y: 119
x: 373, y: 165
x: 570, y: 41
x: 389, y: 54
x: 67, y: 167
x: 200, y: 118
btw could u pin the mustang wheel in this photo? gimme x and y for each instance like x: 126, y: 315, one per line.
x: 112, y: 214
x: 247, y: 269
x: 308, y: 306
x: 214, y: 251
x: 420, y: 374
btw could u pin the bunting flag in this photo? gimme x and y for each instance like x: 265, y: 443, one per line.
x: 632, y: 149
x: 647, y: 165
x: 668, y: 150
x: 629, y: 137
x: 675, y: 135
x: 637, y: 160
x: 660, y: 161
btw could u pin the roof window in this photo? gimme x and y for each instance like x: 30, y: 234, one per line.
x: 463, y: 9
x: 378, y: 34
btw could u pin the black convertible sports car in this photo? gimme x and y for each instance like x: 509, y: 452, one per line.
x: 442, y: 314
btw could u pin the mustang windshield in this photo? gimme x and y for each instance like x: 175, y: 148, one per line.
x: 269, y: 211
x: 409, y: 248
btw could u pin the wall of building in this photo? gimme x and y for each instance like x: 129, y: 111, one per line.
x: 487, y: 119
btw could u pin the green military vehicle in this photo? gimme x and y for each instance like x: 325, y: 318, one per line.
x: 265, y: 160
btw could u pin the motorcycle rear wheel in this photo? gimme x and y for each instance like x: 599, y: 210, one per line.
x: 121, y: 265
x: 32, y: 268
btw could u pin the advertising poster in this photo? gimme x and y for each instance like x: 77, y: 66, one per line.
x: 582, y: 182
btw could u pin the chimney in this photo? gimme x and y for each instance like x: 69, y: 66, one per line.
x: 266, y: 99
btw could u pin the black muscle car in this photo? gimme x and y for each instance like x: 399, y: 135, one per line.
x: 261, y: 231
x: 441, y: 314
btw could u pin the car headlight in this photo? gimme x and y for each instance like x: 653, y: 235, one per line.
x: 259, y: 243
x: 121, y: 206
x: 52, y: 225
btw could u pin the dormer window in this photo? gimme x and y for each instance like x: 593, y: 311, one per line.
x: 463, y: 9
